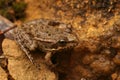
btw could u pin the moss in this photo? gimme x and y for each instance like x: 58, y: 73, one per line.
x: 12, y: 9
x: 6, y: 13
x: 2, y: 3
x: 19, y: 9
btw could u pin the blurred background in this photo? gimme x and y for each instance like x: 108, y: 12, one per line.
x: 24, y: 10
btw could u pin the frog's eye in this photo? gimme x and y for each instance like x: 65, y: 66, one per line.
x: 62, y: 41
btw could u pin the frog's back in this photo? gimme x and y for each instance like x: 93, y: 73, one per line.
x: 43, y: 33
x: 46, y: 29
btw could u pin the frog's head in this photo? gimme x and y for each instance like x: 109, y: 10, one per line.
x: 67, y: 38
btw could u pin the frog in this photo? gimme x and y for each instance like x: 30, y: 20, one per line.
x: 49, y: 36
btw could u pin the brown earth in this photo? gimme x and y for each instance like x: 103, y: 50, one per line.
x: 97, y: 57
x: 19, y: 66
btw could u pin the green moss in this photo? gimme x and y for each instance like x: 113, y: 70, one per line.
x: 2, y: 3
x: 12, y: 9
x: 19, y: 9
x: 7, y: 14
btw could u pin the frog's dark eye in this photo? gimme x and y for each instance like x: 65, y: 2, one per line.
x: 62, y: 41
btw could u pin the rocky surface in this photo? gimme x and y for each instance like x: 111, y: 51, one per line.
x: 19, y: 66
x: 96, y: 58
x: 3, y: 74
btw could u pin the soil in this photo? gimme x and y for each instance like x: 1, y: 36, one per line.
x: 97, y: 57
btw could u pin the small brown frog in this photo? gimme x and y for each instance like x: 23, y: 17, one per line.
x: 49, y: 36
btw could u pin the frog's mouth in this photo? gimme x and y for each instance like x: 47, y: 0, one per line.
x: 61, y: 46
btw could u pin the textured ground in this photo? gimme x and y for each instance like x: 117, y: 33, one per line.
x: 97, y: 57
x: 19, y: 66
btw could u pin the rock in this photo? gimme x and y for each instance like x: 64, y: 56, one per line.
x: 3, y: 75
x: 19, y: 66
x: 116, y: 59
x: 102, y: 65
x: 115, y: 76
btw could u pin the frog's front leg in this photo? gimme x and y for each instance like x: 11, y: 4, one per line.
x: 48, y: 58
x: 49, y: 54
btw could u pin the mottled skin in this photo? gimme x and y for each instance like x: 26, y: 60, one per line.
x: 46, y: 35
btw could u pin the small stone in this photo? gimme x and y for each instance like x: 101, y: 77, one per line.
x: 3, y: 74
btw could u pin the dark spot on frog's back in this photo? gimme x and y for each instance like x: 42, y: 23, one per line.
x: 53, y: 23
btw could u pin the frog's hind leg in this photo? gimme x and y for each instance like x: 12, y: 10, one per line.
x: 20, y: 38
